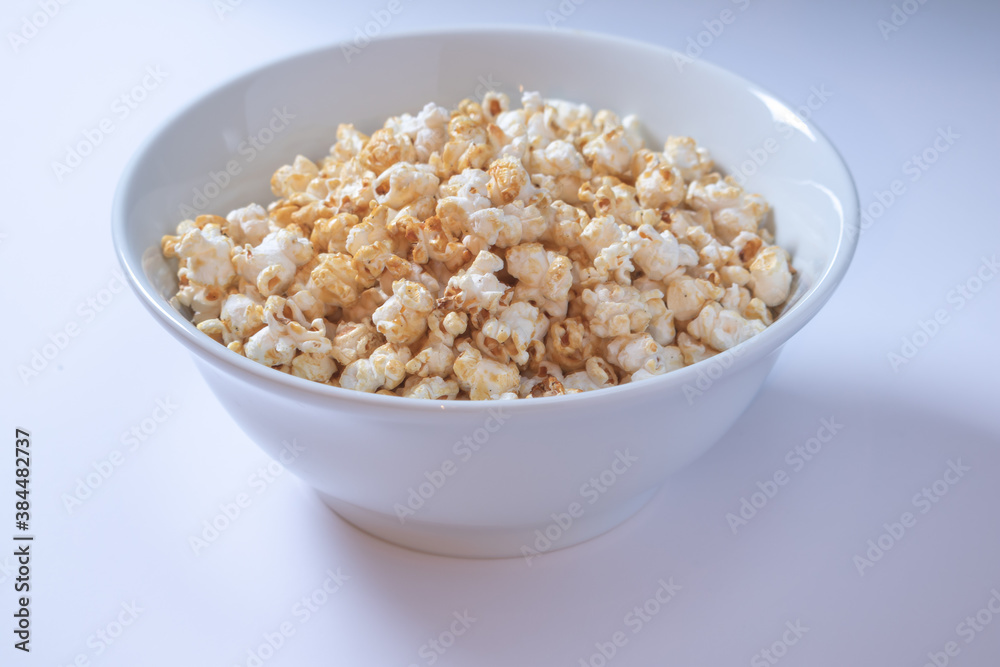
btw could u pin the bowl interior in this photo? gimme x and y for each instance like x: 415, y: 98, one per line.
x: 221, y: 151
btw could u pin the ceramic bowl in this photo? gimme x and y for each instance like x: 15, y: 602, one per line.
x: 484, y: 479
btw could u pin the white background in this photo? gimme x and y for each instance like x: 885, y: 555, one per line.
x: 794, y: 561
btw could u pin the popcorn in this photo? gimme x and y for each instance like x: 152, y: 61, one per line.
x: 598, y: 375
x: 404, y: 183
x: 508, y: 335
x: 385, y: 148
x: 484, y: 378
x: 353, y: 341
x: 386, y: 367
x: 615, y: 310
x: 642, y: 356
x: 294, y: 178
x: 686, y: 296
x: 434, y: 388
x: 770, y: 276
x: 403, y: 318
x: 544, y: 277
x: 733, y: 210
x: 486, y: 253
x: 691, y: 160
x: 723, y: 328
x: 271, y: 265
x: 476, y: 288
x: 241, y: 317
x: 661, y: 186
x: 248, y: 225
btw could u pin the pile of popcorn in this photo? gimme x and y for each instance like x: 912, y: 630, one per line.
x: 487, y: 253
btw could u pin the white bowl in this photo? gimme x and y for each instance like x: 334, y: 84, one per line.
x: 484, y: 479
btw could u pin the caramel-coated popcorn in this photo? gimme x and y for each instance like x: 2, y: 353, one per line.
x: 487, y: 252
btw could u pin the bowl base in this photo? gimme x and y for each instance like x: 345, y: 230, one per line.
x: 486, y: 542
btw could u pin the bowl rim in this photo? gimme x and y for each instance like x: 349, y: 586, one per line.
x: 761, y: 345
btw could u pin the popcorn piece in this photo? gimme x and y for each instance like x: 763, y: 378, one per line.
x: 205, y: 302
x: 315, y: 367
x: 335, y: 281
x: 241, y: 317
x: 723, y: 328
x: 615, y: 310
x: 509, y: 182
x: 660, y: 187
x: 484, y: 378
x: 285, y: 319
x: 433, y: 387
x: 691, y: 160
x: 204, y: 257
x: 544, y: 277
x: 686, y: 296
x: 294, y: 178
x: 733, y: 210
x: 403, y: 318
x: 642, y: 356
x: 403, y: 183
x: 248, y: 225
x: 476, y: 288
x: 271, y: 265
x: 349, y: 143
x: 495, y: 227
x: 386, y: 148
x: 770, y: 277
x: 353, y: 341
x: 658, y: 254
x: 428, y: 130
x: 610, y: 152
x: 570, y: 344
x: 508, y: 335
x: 605, y: 242
x: 386, y: 367
x: 330, y: 234
x: 598, y: 374
x: 693, y: 350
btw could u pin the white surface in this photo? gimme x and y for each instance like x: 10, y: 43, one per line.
x: 792, y: 562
